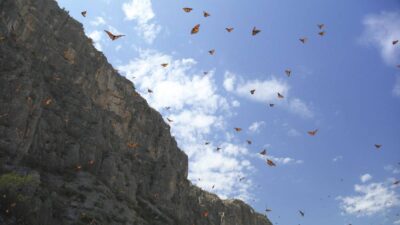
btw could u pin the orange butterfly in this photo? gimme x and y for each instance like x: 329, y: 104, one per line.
x: 303, y: 40
x: 263, y: 152
x: 186, y: 9
x: 322, y: 33
x: 321, y: 26
x: 395, y: 42
x: 288, y: 72
x: 270, y: 163
x: 133, y: 145
x: 255, y: 31
x: 229, y: 29
x: 238, y: 129
x: 195, y: 29
x: 205, y: 213
x: 280, y: 96
x: 312, y: 132
x: 378, y: 146
x: 206, y: 14
x: 113, y: 36
x: 164, y: 65
x: 84, y: 13
x: 47, y: 101
x: 211, y: 52
x: 252, y: 91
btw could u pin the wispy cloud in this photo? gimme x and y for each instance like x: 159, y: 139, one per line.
x: 97, y: 37
x: 142, y: 12
x: 198, y: 112
x: 266, y: 91
x: 98, y: 21
x: 256, y: 126
x: 366, y: 177
x: 392, y: 169
x: 337, y: 158
x: 380, y: 30
x: 396, y: 88
x: 371, y: 199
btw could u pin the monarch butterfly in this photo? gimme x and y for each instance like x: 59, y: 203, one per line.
x: 301, y: 213
x: 322, y: 33
x: 218, y: 148
x: 186, y: 9
x: 252, y: 91
x: 396, y: 182
x: 288, y: 72
x: 195, y: 29
x: 205, y: 213
x: 207, y: 143
x: 169, y: 120
x: 255, y: 31
x: 238, y: 129
x: 47, y: 101
x: 395, y: 42
x: 133, y: 145
x: 229, y: 29
x: 205, y: 73
x: 211, y: 52
x: 149, y: 90
x: 378, y: 146
x: 271, y: 105
x: 164, y: 65
x: 303, y: 40
x: 113, y: 36
x: 320, y: 26
x: 248, y: 142
x: 313, y: 132
x: 84, y: 13
x: 263, y: 152
x: 206, y: 14
x: 268, y: 210
x: 270, y: 163
x: 280, y: 96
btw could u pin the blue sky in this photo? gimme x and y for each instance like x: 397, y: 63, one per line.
x: 346, y: 84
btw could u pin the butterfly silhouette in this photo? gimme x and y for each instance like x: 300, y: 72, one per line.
x: 84, y: 13
x: 312, y: 132
x: 211, y: 52
x: 270, y: 163
x: 255, y: 31
x: 303, y: 40
x: 206, y: 14
x: 263, y: 152
x: 195, y: 29
x: 288, y: 72
x: 113, y: 36
x: 229, y: 29
x: 280, y: 96
x: 186, y: 9
x: 252, y: 91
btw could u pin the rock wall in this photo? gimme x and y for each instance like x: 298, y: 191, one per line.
x: 78, y: 144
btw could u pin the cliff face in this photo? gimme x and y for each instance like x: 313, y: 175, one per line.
x: 78, y: 145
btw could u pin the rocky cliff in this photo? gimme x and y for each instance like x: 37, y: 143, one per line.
x: 78, y: 145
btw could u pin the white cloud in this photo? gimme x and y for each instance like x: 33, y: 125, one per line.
x: 98, y: 21
x: 285, y: 160
x: 366, y: 177
x: 396, y: 88
x: 392, y: 169
x: 266, y: 92
x: 371, y: 199
x: 235, y: 103
x: 396, y: 222
x: 294, y: 133
x: 380, y: 30
x: 97, y: 37
x: 198, y: 112
x: 256, y: 126
x: 142, y: 12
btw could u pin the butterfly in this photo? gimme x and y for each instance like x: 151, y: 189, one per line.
x: 229, y: 29
x: 378, y: 146
x: 280, y: 96
x: 321, y: 26
x: 252, y: 91
x: 169, y: 120
x: 205, y: 73
x: 195, y: 29
x: 211, y: 52
x: 270, y: 163
x: 113, y: 36
x: 205, y: 213
x: 149, y: 90
x: 132, y: 145
x: 238, y: 129
x: 248, y: 142
x: 218, y: 148
x: 207, y: 143
x: 395, y: 42
x: 78, y: 167
x: 47, y: 101
x: 186, y: 9
x: 168, y: 108
x: 206, y: 14
x: 242, y: 178
x: 268, y: 210
x: 288, y: 72
x: 271, y: 105
x: 321, y: 33
x: 396, y: 182
x: 164, y: 65
x: 303, y: 40
x: 213, y: 186
x: 84, y: 13
x: 263, y: 152
x: 91, y: 162
x: 301, y: 213
x: 255, y: 31
x: 312, y: 132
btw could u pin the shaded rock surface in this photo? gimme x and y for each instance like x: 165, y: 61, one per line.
x: 80, y: 145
